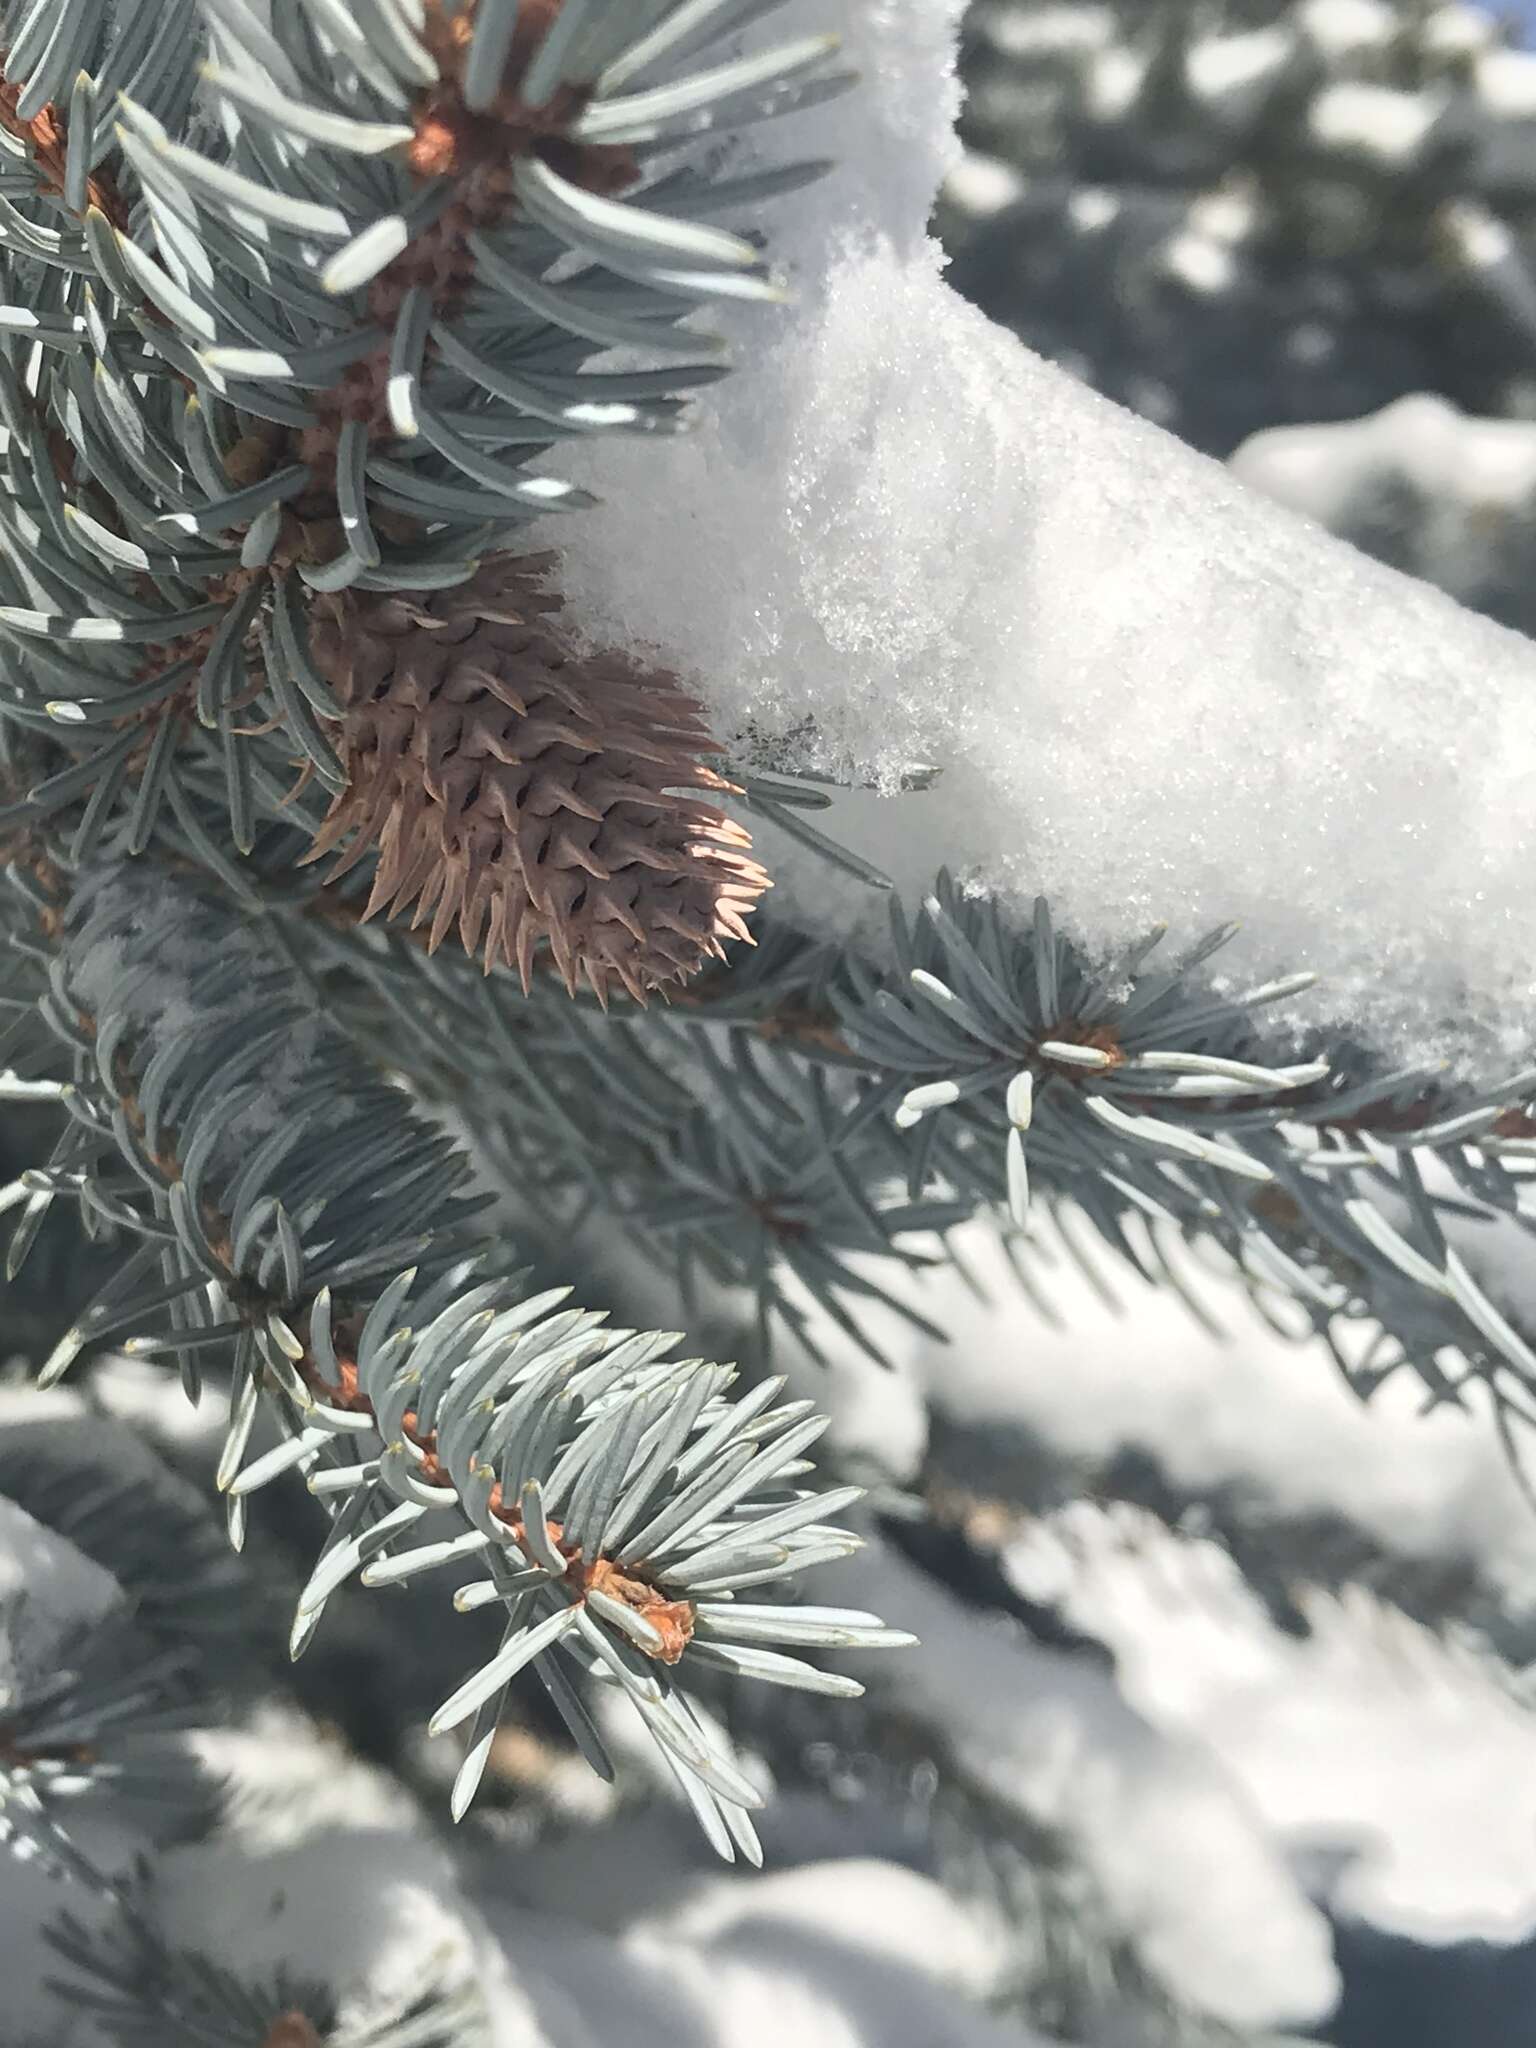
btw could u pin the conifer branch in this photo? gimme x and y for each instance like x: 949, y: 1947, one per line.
x: 265, y: 428
x: 142, y: 1990
x: 294, y: 1213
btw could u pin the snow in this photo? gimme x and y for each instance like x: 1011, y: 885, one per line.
x: 1224, y: 69
x: 1401, y: 1764
x: 372, y: 1914
x: 829, y: 1955
x: 1482, y: 467
x: 1243, y: 1409
x: 1185, y: 1868
x: 596, y: 1938
x: 892, y: 138
x: 897, y: 536
x: 322, y: 1864
x: 285, y: 1780
x: 1114, y: 84
x: 1228, y: 214
x: 20, y: 1402
x: 1479, y: 239
x: 895, y: 1916
x: 147, y: 1398
x: 1375, y: 121
x: 1092, y: 207
x: 1455, y: 31
x: 1380, y: 1767
x: 981, y: 185
x: 1506, y: 81
x: 1201, y: 263
x: 1055, y: 31
x: 1342, y: 27
x: 842, y: 1952
x: 50, y: 1594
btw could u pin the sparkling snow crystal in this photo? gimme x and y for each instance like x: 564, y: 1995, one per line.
x: 897, y: 536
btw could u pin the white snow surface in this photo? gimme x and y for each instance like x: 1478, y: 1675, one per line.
x: 1343, y: 27
x: 324, y: 1866
x: 285, y: 1781
x: 144, y: 1398
x: 1484, y: 469
x: 1185, y: 1868
x: 374, y: 1915
x: 1400, y: 1766
x: 1371, y: 1761
x: 828, y: 1955
x: 50, y: 1596
x: 897, y: 536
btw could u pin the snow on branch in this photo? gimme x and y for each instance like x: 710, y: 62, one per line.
x: 1150, y: 693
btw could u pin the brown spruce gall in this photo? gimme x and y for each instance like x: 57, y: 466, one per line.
x: 522, y: 790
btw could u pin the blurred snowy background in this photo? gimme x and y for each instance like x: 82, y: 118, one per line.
x: 1296, y: 235
x: 1222, y: 1727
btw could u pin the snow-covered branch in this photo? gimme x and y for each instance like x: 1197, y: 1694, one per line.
x: 1150, y: 692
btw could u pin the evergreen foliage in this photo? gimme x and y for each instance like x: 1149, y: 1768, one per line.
x: 339, y: 869
x: 145, y: 1995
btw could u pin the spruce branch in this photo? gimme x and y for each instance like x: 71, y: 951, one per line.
x: 1165, y: 1107
x: 98, y: 1719
x: 145, y: 1994
x: 807, y: 1116
x: 296, y: 1215
x: 1355, y: 1192
x: 97, y: 1487
x: 245, y: 417
x: 721, y: 1133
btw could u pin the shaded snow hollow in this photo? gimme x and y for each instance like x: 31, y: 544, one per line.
x: 898, y: 536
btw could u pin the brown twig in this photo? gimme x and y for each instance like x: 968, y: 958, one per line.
x: 671, y: 1619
